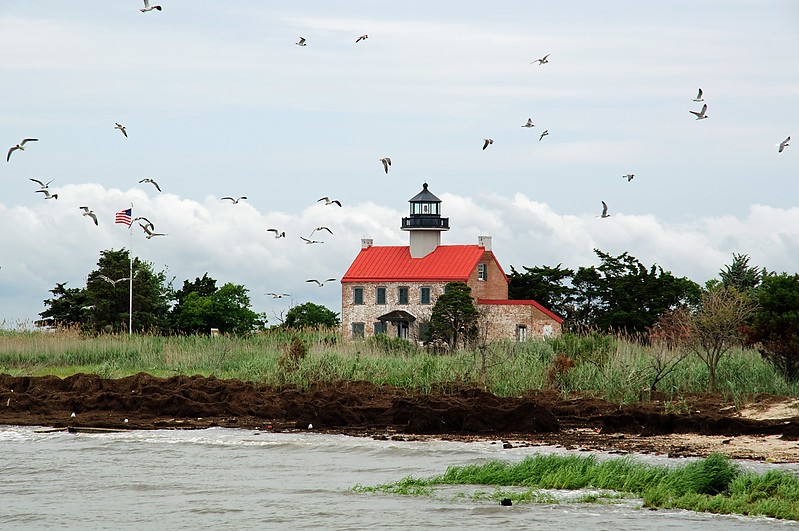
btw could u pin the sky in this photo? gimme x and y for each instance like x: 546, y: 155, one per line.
x: 219, y: 100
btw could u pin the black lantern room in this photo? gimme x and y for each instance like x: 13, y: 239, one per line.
x: 425, y: 213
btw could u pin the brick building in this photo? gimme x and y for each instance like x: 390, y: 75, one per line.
x: 392, y: 289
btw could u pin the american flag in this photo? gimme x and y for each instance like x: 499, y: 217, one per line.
x: 123, y: 216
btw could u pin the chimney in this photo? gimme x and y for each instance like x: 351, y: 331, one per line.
x: 484, y: 241
x: 366, y: 243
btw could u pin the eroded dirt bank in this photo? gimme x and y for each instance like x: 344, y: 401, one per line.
x: 360, y: 408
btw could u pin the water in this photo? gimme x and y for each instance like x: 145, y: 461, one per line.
x: 237, y: 479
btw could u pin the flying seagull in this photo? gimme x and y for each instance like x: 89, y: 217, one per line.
x: 386, y: 163
x: 317, y: 229
x: 90, y: 213
x: 545, y: 133
x: 149, y: 223
x: 147, y: 8
x: 309, y: 242
x: 322, y: 283
x: 47, y: 194
x: 20, y: 146
x: 529, y: 123
x: 604, y: 210
x: 235, y: 201
x: 362, y: 38
x: 699, y: 96
x: 487, y: 142
x: 149, y: 231
x: 43, y: 186
x: 278, y: 234
x: 112, y: 281
x: 148, y: 180
x: 301, y: 42
x: 279, y: 295
x: 629, y: 177
x: 542, y: 61
x: 701, y: 114
x: 784, y: 144
x: 329, y: 201
x: 121, y: 128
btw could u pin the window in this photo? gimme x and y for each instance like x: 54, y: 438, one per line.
x: 424, y: 295
x: 521, y: 333
x: 380, y: 328
x: 357, y: 330
x: 482, y: 271
x: 402, y: 295
x: 357, y: 295
x: 380, y: 296
x: 547, y: 330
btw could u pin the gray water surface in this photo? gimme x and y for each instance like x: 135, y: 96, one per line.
x: 238, y: 479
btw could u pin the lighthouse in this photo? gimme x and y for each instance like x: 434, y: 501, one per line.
x: 424, y: 223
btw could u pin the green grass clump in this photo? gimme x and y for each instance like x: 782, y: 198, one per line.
x: 715, y: 484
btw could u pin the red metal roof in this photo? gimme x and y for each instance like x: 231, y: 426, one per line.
x: 394, y: 263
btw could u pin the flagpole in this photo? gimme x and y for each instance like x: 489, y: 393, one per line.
x: 130, y: 277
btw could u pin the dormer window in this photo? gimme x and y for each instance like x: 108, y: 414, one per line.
x: 482, y: 271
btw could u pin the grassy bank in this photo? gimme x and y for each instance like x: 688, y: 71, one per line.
x: 612, y: 368
x: 714, y: 485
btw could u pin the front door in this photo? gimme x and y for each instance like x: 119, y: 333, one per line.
x: 402, y: 329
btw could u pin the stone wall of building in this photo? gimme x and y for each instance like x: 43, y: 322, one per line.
x: 502, y: 321
x: 495, y: 286
x: 369, y: 311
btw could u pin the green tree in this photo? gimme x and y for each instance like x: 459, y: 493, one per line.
x: 549, y: 286
x: 775, y: 327
x: 201, y: 306
x: 310, y: 315
x: 622, y: 294
x: 108, y: 289
x: 454, y: 316
x: 68, y: 307
x: 740, y: 275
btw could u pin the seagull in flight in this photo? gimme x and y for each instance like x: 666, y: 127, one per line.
x: 322, y: 283
x: 47, y: 194
x: 629, y: 177
x: 386, y: 163
x: 604, y: 210
x: 279, y: 295
x: 43, y: 186
x: 784, y: 144
x: 148, y: 222
x: 148, y: 180
x: 701, y: 114
x: 329, y: 201
x: 112, y: 281
x: 699, y: 96
x: 310, y: 242
x: 362, y: 38
x: 148, y: 229
x: 317, y: 229
x: 545, y: 133
x: 235, y: 201
x: 543, y: 60
x: 529, y: 123
x: 278, y: 234
x: 90, y: 213
x: 20, y: 146
x: 147, y: 8
x: 301, y: 42
x: 121, y: 128
x: 487, y: 142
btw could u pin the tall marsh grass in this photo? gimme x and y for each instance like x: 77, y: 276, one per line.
x: 714, y: 484
x: 613, y: 368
